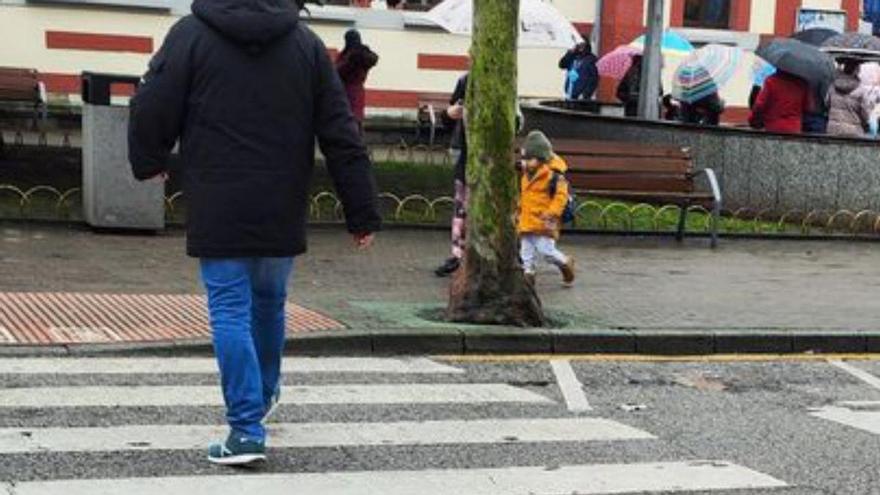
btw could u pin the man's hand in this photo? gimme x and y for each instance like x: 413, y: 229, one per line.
x: 363, y: 240
x: 455, y: 112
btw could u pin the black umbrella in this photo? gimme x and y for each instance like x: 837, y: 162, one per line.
x: 814, y: 36
x: 854, y: 45
x: 800, y: 59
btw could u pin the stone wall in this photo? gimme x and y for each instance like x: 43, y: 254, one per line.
x: 757, y: 170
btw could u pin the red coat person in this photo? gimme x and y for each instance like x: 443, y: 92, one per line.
x: 781, y: 104
x: 353, y: 65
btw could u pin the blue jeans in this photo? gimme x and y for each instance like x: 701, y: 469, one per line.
x: 246, y: 298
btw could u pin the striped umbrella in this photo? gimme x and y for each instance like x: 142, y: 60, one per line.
x: 615, y: 63
x: 671, y: 44
x: 704, y: 71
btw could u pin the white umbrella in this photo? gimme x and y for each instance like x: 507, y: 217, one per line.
x: 540, y: 24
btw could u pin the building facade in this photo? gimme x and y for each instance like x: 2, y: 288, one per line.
x: 419, y: 62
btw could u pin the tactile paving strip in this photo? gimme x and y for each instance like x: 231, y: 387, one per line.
x: 76, y: 318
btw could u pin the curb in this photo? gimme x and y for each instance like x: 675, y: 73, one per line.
x: 656, y: 342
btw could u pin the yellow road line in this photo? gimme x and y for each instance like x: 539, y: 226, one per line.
x: 638, y: 358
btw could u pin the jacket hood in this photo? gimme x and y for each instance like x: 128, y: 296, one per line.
x: 557, y: 164
x: 845, y: 84
x: 255, y: 23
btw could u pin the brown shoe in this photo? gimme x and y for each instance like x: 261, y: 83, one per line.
x: 567, y: 270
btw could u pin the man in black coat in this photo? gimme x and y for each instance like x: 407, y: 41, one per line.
x: 245, y: 88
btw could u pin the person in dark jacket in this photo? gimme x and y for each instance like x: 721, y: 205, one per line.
x: 458, y: 145
x: 353, y: 65
x: 705, y: 111
x: 815, y: 119
x: 455, y: 112
x: 581, y: 73
x: 630, y: 88
x: 245, y: 88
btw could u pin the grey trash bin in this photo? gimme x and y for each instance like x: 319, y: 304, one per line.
x: 112, y: 198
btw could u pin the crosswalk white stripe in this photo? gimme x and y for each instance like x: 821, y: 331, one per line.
x: 585, y: 480
x: 858, y: 373
x: 864, y: 420
x: 303, y: 435
x: 300, y: 395
x: 572, y: 389
x: 72, y: 366
x: 873, y: 404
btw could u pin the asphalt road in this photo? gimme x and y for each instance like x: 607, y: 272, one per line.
x: 482, y: 426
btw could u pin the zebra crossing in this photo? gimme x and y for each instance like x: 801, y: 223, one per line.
x: 109, y: 455
x: 862, y: 415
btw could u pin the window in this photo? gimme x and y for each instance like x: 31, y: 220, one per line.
x: 707, y: 14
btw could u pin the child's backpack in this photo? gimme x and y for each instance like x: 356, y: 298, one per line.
x: 568, y: 214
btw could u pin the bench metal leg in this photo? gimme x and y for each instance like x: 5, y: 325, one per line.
x: 716, y: 219
x: 433, y: 124
x: 682, y: 218
x: 716, y: 204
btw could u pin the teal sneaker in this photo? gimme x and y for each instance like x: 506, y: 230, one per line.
x: 238, y: 450
x: 273, y: 404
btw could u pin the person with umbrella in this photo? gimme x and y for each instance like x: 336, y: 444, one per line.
x: 699, y: 78
x: 781, y: 104
x: 846, y: 115
x: 786, y: 95
x: 630, y: 88
x: 705, y: 111
x: 581, y: 74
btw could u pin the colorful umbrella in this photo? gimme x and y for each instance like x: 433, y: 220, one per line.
x: 704, y: 71
x: 540, y: 24
x: 616, y: 63
x: 814, y: 36
x: 671, y: 44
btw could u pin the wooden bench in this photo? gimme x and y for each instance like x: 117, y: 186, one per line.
x: 22, y: 85
x: 640, y: 172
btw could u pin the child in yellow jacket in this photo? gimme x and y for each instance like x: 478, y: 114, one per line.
x: 541, y: 208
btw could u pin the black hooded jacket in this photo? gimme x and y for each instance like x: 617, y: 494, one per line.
x: 246, y: 88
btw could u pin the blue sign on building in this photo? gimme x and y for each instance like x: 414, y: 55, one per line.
x: 872, y: 14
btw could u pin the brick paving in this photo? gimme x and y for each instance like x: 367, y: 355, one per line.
x: 639, y: 283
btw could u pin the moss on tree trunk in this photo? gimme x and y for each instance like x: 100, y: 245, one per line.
x: 490, y: 287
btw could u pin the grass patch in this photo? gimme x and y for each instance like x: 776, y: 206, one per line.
x: 400, y: 178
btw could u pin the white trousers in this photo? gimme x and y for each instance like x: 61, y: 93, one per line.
x: 531, y: 246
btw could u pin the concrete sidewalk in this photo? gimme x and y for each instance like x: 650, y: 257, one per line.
x: 646, y: 295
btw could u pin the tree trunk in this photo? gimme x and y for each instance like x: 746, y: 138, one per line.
x: 490, y: 288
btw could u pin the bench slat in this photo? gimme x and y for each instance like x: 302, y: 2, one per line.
x: 632, y: 182
x: 593, y: 164
x: 645, y: 195
x: 18, y: 95
x: 565, y: 147
x: 18, y: 84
